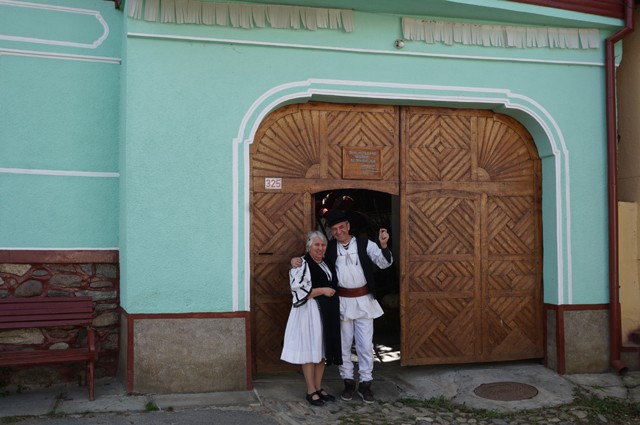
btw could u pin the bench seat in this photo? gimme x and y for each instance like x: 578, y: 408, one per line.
x: 52, y: 312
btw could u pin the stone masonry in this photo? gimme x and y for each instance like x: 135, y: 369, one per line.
x: 100, y: 281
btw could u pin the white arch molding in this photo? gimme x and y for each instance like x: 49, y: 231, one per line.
x: 552, y: 146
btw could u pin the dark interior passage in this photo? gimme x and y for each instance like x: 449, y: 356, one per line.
x: 368, y: 211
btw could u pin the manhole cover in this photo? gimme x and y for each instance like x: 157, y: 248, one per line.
x: 506, y: 391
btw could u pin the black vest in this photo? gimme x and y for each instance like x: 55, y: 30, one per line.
x: 329, y: 310
x: 367, y: 265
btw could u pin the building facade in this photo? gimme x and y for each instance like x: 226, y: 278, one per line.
x: 191, y: 144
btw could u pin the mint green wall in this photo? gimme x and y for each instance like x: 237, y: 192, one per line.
x: 150, y: 155
x: 59, y: 82
x: 194, y: 94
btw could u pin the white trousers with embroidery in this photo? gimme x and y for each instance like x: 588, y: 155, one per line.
x: 362, y: 331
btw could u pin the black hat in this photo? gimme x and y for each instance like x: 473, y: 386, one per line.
x: 335, y: 217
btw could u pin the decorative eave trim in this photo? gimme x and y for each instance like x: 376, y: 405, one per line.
x: 240, y: 15
x: 449, y: 33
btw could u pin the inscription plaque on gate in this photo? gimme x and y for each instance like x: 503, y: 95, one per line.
x: 361, y: 163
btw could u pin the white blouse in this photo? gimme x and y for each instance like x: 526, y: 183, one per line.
x: 351, y: 275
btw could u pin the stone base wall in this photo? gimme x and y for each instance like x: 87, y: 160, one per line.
x: 577, y: 338
x: 187, y: 353
x: 586, y: 339
x: 100, y: 281
x: 551, y: 343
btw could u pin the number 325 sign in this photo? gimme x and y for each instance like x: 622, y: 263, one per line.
x: 273, y: 183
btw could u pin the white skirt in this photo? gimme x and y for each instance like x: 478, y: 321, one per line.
x: 303, y: 342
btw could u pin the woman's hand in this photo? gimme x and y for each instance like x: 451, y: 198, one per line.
x: 296, y: 262
x: 329, y: 292
x: 326, y: 291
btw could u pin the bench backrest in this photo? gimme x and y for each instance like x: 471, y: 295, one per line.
x: 17, y: 313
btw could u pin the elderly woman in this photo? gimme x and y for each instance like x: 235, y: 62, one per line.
x: 312, y: 336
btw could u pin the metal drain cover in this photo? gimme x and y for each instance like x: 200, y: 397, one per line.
x: 506, y: 391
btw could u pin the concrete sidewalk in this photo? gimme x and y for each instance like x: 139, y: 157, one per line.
x: 458, y: 384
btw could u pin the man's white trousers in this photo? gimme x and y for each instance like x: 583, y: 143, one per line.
x: 362, y: 331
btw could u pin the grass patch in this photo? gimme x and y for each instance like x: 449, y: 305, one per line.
x: 12, y: 419
x: 443, y: 404
x: 151, y: 407
x: 614, y: 410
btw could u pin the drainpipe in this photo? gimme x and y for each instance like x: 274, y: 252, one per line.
x: 612, y: 154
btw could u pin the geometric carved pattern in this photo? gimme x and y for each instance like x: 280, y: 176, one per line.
x: 512, y: 326
x: 440, y: 147
x: 270, y: 280
x: 501, y: 153
x: 470, y: 201
x: 441, y: 225
x: 361, y: 128
x: 472, y: 240
x: 441, y: 328
x: 289, y: 147
x: 268, y: 339
x: 441, y: 276
x: 277, y: 225
x: 512, y: 225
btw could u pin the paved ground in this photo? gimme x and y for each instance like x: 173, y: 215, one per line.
x: 278, y: 399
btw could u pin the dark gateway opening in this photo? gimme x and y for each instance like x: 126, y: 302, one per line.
x: 368, y: 211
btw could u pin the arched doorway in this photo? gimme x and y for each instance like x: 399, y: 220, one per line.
x: 468, y: 184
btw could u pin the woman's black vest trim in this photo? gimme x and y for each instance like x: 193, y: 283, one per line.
x: 329, y: 310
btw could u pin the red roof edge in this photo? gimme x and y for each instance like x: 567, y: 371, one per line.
x: 610, y: 8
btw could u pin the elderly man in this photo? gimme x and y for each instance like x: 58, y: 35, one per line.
x: 355, y: 259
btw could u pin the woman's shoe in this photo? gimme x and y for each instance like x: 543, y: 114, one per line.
x: 325, y: 396
x: 315, y: 401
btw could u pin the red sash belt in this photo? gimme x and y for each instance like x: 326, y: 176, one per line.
x: 352, y: 292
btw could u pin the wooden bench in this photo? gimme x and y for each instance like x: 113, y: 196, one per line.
x: 24, y: 313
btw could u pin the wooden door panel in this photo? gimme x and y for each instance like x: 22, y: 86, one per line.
x: 278, y: 228
x: 441, y: 224
x: 438, y: 147
x: 287, y: 144
x: 511, y: 329
x: 513, y: 276
x: 478, y: 246
x: 278, y: 223
x: 270, y: 319
x: 363, y: 127
x: 440, y: 330
x: 441, y: 284
x: 443, y: 277
x: 302, y: 144
x: 505, y: 152
x: 513, y: 326
x: 511, y: 229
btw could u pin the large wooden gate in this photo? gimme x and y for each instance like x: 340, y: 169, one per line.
x: 471, y: 224
x: 470, y: 258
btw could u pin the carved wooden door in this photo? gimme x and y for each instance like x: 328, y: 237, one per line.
x: 471, y: 236
x: 304, y: 146
x: 470, y: 255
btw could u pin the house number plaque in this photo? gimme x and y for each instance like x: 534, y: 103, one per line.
x: 361, y: 163
x: 273, y: 183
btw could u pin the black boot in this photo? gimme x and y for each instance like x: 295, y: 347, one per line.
x: 349, y: 389
x: 364, y: 391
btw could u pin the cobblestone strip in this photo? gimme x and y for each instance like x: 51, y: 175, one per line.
x: 397, y: 413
